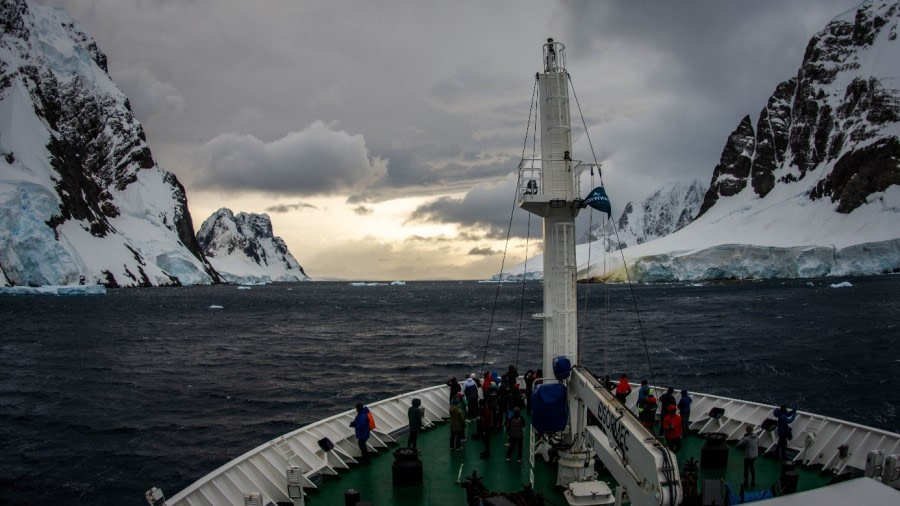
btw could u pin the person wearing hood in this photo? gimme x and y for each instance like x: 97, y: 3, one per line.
x: 415, y: 415
x: 665, y: 400
x: 457, y: 423
x: 455, y: 388
x: 671, y: 427
x: 470, y: 390
x: 785, y: 417
x: 623, y: 389
x: 360, y: 426
x: 684, y: 409
x: 647, y: 414
x: 515, y: 429
x: 643, y: 392
x: 750, y: 444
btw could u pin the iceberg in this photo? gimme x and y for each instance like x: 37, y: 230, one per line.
x: 65, y: 290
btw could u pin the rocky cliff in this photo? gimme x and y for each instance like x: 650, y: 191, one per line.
x: 243, y: 249
x: 834, y: 126
x: 81, y: 198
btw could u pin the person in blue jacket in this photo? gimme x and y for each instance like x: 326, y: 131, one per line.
x: 360, y: 425
x: 684, y: 409
x: 785, y: 417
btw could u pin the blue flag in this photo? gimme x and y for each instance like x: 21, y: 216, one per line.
x: 599, y: 201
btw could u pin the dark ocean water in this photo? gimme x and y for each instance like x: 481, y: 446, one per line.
x: 103, y: 397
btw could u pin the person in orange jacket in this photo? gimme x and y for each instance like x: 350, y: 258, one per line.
x: 672, y: 429
x: 623, y: 389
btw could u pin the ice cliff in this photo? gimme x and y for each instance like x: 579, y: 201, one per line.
x: 82, y: 200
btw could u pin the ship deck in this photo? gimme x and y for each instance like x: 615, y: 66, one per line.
x: 442, y: 467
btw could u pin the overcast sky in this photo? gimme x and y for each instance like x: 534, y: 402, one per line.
x: 382, y: 137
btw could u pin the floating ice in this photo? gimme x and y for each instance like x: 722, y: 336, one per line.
x: 845, y: 284
x: 214, y: 306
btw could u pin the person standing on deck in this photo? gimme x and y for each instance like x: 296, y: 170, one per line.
x: 623, y: 389
x: 486, y: 383
x: 457, y: 423
x: 784, y: 428
x: 643, y: 392
x: 485, y: 427
x: 492, y: 400
x: 750, y: 444
x: 684, y: 408
x: 529, y: 389
x: 512, y: 375
x: 455, y: 388
x: 360, y: 426
x: 470, y: 390
x: 515, y: 429
x: 515, y: 399
x: 665, y: 400
x: 671, y: 427
x: 647, y: 414
x: 503, y: 400
x: 414, y: 414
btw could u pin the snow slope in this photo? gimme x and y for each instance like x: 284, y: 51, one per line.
x: 81, y: 199
x: 813, y: 190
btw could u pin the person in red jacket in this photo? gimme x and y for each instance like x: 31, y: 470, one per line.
x: 623, y: 389
x: 671, y: 426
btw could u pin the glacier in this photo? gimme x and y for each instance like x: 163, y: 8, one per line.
x: 81, y: 199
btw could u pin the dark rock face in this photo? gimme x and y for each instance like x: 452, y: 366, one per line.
x: 813, y: 120
x: 861, y: 173
x: 248, y: 237
x: 97, y: 149
x: 731, y: 174
x: 772, y: 135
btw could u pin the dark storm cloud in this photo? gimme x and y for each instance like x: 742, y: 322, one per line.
x: 318, y: 160
x: 363, y: 210
x: 486, y: 209
x: 286, y: 208
x: 421, y: 107
x: 483, y: 252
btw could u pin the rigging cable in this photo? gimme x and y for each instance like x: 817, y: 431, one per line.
x: 508, y: 232
x: 527, y: 239
x: 505, y: 249
x: 615, y: 229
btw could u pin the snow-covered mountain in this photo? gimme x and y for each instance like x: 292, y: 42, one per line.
x: 243, y: 249
x: 671, y: 207
x: 81, y: 198
x: 814, y: 189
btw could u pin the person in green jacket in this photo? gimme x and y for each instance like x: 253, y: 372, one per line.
x: 415, y: 422
x: 457, y: 424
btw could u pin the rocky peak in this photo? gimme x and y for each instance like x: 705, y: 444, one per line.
x: 243, y: 248
x: 842, y: 107
x: 731, y: 173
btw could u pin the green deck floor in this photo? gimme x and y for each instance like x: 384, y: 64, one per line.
x: 441, y: 467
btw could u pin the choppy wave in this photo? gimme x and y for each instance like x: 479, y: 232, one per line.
x: 149, y: 387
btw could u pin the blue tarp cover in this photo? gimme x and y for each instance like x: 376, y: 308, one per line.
x: 562, y: 367
x: 548, y: 409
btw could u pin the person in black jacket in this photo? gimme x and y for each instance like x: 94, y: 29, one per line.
x: 455, y: 388
x: 515, y: 429
x: 665, y: 400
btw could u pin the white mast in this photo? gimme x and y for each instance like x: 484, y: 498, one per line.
x: 548, y: 187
